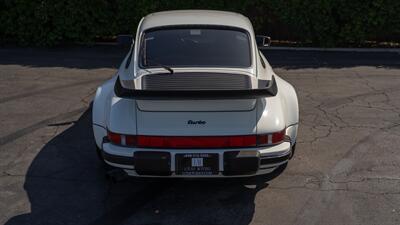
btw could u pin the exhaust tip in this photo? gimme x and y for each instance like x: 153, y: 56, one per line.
x: 116, y: 175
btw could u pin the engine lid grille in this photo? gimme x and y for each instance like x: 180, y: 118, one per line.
x: 196, y: 81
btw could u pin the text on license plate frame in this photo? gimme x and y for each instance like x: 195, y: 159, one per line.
x: 197, y: 164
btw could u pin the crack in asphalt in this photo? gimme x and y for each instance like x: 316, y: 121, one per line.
x: 326, y: 185
x: 316, y: 180
x: 330, y: 190
x: 337, y: 115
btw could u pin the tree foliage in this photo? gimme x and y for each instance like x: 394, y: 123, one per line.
x: 321, y: 23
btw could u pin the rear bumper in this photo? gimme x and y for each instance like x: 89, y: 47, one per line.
x: 161, y: 162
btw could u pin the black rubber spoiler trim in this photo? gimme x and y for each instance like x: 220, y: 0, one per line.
x: 270, y: 90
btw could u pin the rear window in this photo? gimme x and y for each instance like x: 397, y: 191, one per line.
x: 197, y: 47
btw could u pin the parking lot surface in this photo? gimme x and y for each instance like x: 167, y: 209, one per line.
x: 346, y: 169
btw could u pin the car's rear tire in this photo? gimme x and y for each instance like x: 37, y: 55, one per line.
x: 99, y: 153
x: 292, y: 151
x: 282, y: 167
x: 101, y: 158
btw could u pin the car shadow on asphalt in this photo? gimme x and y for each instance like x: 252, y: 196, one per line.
x: 66, y: 184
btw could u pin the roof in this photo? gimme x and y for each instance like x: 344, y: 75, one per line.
x: 196, y: 17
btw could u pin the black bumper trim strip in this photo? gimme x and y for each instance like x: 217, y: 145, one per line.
x: 123, y: 160
x: 265, y: 161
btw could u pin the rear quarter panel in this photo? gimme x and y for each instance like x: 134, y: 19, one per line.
x: 279, y: 112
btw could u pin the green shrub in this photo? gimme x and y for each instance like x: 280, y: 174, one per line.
x: 321, y: 23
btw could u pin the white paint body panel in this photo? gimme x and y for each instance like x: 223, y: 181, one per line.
x: 217, y: 123
x: 169, y: 117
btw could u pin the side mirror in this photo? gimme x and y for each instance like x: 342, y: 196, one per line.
x: 125, y: 40
x: 263, y: 41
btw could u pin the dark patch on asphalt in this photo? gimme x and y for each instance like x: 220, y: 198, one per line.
x: 83, y: 57
x: 41, y: 91
x: 24, y: 131
x: 61, y: 124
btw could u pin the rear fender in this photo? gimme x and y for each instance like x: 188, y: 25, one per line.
x: 121, y: 117
x: 290, y: 108
x: 101, y: 102
x: 100, y: 109
x: 112, y: 113
x: 270, y: 117
x: 279, y: 112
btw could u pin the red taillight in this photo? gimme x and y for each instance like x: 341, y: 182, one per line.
x: 240, y: 141
x: 196, y: 142
x: 269, y: 139
x: 114, y: 137
x: 262, y: 139
x: 278, y: 136
x: 131, y: 140
x: 121, y: 139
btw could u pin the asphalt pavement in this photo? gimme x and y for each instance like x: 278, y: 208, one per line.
x: 346, y: 169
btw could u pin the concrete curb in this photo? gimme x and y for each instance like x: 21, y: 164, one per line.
x: 395, y: 50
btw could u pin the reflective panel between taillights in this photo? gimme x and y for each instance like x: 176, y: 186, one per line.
x: 179, y: 142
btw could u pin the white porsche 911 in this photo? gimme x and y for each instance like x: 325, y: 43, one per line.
x: 194, y: 97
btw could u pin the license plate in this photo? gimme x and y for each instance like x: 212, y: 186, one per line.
x: 196, y: 164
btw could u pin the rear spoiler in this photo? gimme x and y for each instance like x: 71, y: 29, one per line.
x: 269, y: 90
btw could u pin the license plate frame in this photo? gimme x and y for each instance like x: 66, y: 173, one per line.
x: 204, y: 164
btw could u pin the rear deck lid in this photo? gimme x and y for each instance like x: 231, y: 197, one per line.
x: 196, y: 123
x: 196, y: 117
